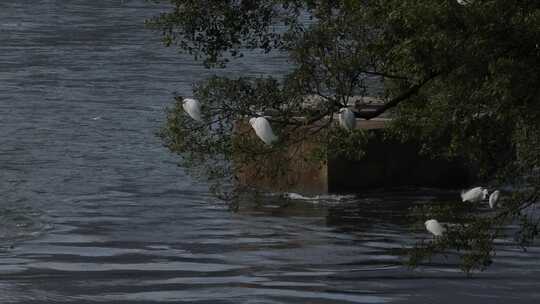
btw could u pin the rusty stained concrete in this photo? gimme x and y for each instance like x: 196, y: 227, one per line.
x: 385, y: 165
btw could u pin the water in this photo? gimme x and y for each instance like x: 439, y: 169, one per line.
x: 94, y: 210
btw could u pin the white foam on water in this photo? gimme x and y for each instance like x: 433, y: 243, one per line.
x: 319, y: 198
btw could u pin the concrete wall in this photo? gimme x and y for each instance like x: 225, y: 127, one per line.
x: 390, y: 164
x: 286, y: 172
x: 386, y: 164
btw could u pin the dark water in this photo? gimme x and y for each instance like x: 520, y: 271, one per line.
x: 93, y: 209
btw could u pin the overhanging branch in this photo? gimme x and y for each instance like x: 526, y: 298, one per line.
x: 397, y: 100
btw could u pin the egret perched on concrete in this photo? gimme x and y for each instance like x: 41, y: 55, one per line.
x: 347, y: 119
x: 192, y: 108
x: 474, y: 195
x: 263, y: 129
x: 434, y: 227
x: 494, y: 198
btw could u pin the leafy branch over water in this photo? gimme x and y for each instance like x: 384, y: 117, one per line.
x: 463, y: 80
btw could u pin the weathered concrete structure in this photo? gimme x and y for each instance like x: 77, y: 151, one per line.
x: 386, y: 164
x: 389, y: 164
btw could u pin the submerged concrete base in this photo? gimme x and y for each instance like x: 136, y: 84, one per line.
x: 390, y: 164
x: 386, y: 164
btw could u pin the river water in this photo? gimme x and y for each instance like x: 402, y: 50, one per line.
x: 93, y: 208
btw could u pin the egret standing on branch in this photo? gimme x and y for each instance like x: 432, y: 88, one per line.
x: 192, y: 108
x: 263, y: 129
x: 493, y: 198
x: 474, y: 195
x: 434, y: 227
x: 347, y: 119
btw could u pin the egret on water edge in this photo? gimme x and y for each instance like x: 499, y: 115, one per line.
x: 493, y: 198
x: 434, y: 227
x: 347, y: 119
x: 263, y: 129
x: 192, y: 108
x: 474, y: 195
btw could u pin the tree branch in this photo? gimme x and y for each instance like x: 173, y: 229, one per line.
x: 397, y: 100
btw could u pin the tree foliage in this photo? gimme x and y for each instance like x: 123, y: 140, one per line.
x: 463, y: 80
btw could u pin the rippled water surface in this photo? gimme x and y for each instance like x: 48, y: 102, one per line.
x: 93, y: 209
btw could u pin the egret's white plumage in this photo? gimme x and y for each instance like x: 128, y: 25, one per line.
x: 494, y: 198
x: 434, y: 227
x: 263, y: 129
x: 474, y: 195
x: 465, y: 2
x: 192, y: 108
x: 347, y: 119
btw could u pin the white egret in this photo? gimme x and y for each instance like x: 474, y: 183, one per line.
x: 347, y: 119
x: 465, y: 2
x: 192, y: 108
x: 434, y: 227
x: 263, y: 129
x: 474, y: 195
x: 494, y: 198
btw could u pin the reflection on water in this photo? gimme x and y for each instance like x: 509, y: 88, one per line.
x: 93, y: 209
x: 117, y: 247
